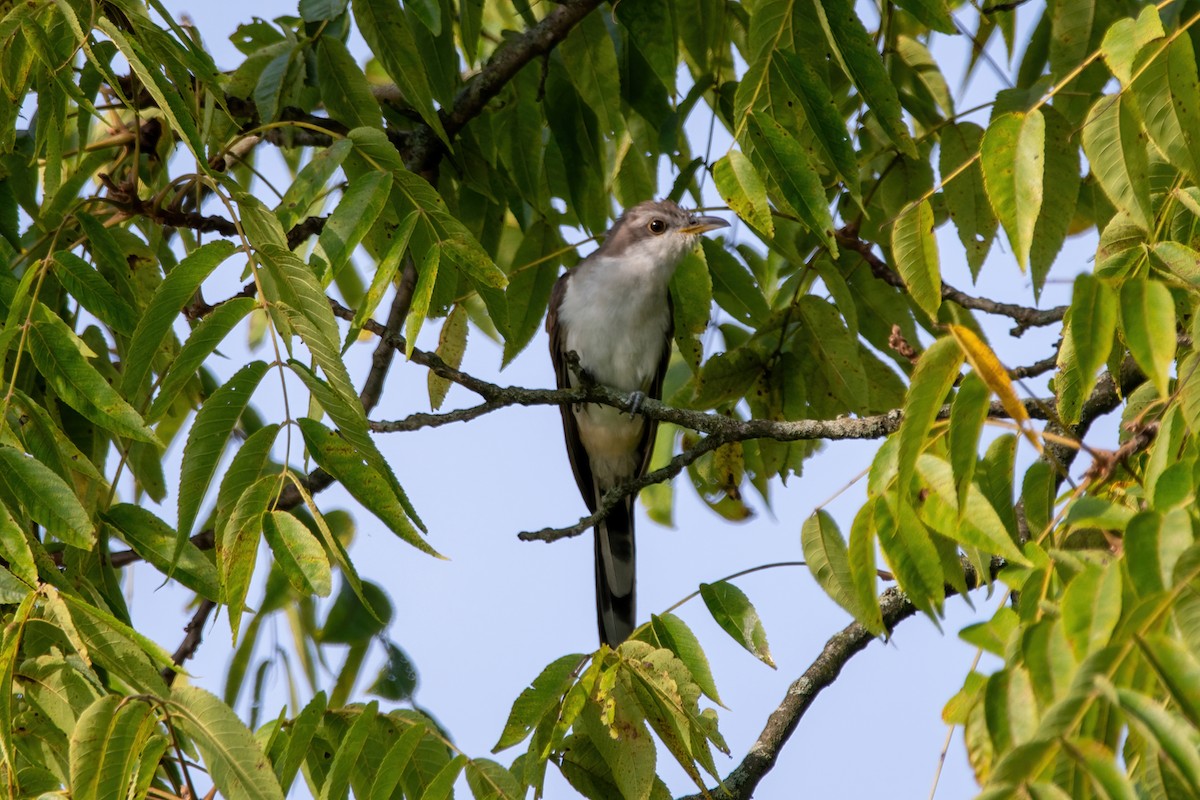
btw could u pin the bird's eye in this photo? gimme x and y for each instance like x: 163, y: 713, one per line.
x: 657, y: 226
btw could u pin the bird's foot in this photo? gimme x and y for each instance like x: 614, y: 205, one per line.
x: 635, y: 402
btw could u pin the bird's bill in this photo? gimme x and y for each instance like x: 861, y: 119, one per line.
x: 704, y: 225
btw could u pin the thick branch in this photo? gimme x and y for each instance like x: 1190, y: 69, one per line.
x: 841, y: 647
x: 425, y: 150
x: 1024, y: 316
x: 193, y: 635
x: 853, y: 639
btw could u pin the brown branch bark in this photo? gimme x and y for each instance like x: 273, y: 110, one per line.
x: 1024, y: 316
x: 853, y: 639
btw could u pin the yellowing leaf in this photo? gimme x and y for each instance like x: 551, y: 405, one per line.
x: 993, y: 373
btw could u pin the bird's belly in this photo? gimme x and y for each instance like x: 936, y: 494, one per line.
x: 611, y: 438
x: 620, y: 346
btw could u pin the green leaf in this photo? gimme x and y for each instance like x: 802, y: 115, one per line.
x: 966, y: 198
x: 214, y: 423
x: 364, y: 483
x: 1125, y: 37
x: 176, y: 290
x: 303, y: 300
x: 1148, y: 326
x: 1092, y: 323
x: 268, y: 91
x: 828, y: 559
x: 236, y: 764
x: 337, y: 780
x: 1091, y: 608
x: 395, y: 761
x: 691, y: 291
x: 356, y: 211
x: 910, y: 552
x: 321, y: 10
x: 1116, y: 152
x: 59, y: 355
x: 1013, y: 159
x: 383, y: 277
x: 932, y: 13
x: 823, y: 116
x: 1061, y: 186
x: 1101, y: 766
x: 786, y: 162
x: 442, y: 784
x: 733, y: 611
x: 490, y: 781
x: 344, y: 87
x: 93, y: 292
x: 452, y: 344
x: 978, y: 523
x: 836, y: 352
x: 47, y: 498
x: 309, y: 185
x: 854, y: 50
x: 384, y: 26
x: 237, y: 545
x: 115, y: 646
x: 203, y: 341
x: 168, y: 98
x: 1165, y: 87
x: 304, y: 726
x: 1179, y: 672
x: 734, y: 287
x: 157, y: 543
x: 727, y: 376
x: 967, y: 415
x: 538, y: 699
x: 936, y: 372
x: 673, y: 634
x: 531, y: 279
x: 15, y: 548
x: 915, y: 251
x: 106, y: 745
x: 1167, y: 731
x: 591, y: 63
x: 397, y: 679
x: 298, y: 553
x: 744, y: 191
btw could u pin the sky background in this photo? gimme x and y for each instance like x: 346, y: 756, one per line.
x: 480, y: 626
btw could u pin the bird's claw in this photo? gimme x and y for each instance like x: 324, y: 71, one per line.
x: 635, y: 402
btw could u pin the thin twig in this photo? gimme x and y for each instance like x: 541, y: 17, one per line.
x: 1024, y: 316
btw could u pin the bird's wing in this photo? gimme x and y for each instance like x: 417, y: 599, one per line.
x: 580, y: 464
x: 646, y: 445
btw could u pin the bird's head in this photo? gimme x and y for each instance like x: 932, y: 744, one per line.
x: 657, y: 231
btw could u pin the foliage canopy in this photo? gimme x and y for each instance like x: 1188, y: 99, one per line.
x: 435, y: 186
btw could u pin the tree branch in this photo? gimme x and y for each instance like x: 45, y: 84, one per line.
x: 1024, y: 316
x: 853, y: 639
x: 193, y: 635
x: 425, y: 150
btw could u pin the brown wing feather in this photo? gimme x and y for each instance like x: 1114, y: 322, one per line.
x: 655, y: 390
x: 580, y: 464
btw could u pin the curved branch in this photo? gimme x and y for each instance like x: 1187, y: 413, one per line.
x: 425, y: 150
x: 1024, y: 316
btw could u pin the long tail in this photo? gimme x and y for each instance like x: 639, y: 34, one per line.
x: 615, y: 574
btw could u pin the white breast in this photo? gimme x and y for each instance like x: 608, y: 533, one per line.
x: 616, y: 316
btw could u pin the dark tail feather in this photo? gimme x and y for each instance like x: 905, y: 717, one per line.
x: 615, y: 575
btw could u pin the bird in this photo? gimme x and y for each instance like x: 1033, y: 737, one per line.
x: 613, y: 312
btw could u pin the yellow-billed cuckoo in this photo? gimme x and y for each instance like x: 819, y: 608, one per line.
x: 614, y: 311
